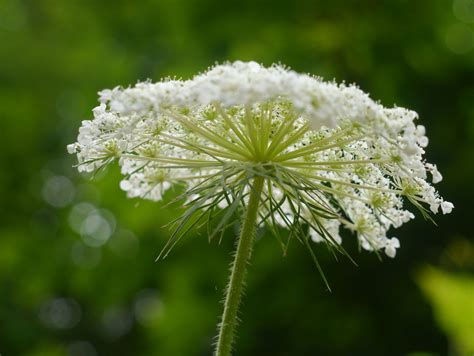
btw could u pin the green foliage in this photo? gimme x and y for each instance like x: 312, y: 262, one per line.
x: 452, y: 298
x: 66, y: 288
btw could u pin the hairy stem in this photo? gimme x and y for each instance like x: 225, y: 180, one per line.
x: 238, y: 271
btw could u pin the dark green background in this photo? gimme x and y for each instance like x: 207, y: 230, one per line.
x: 59, y: 296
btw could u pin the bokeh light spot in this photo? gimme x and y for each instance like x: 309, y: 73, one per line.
x: 60, y: 313
x: 116, y: 322
x: 460, y: 38
x: 58, y: 191
x: 464, y: 10
x: 147, y: 307
x: 96, y: 229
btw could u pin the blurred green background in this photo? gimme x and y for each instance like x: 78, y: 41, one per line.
x: 77, y: 270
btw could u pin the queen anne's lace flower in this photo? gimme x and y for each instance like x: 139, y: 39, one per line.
x: 330, y: 155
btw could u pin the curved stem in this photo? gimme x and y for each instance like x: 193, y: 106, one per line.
x: 238, y: 271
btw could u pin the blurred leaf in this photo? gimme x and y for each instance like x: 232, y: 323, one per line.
x: 452, y: 298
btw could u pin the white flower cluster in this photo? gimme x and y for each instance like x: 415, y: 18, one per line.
x: 330, y: 155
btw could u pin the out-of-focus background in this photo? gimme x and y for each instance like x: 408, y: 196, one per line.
x: 77, y: 270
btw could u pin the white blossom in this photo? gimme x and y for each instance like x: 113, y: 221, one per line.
x: 332, y: 157
x: 447, y: 207
x: 391, y: 246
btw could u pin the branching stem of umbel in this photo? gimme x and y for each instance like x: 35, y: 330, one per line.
x: 236, y: 282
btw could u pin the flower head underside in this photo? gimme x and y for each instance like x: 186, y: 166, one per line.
x: 330, y: 156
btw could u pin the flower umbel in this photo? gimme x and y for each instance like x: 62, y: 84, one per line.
x: 329, y: 154
x: 309, y: 155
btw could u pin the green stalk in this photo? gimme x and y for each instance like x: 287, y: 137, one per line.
x: 236, y: 282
